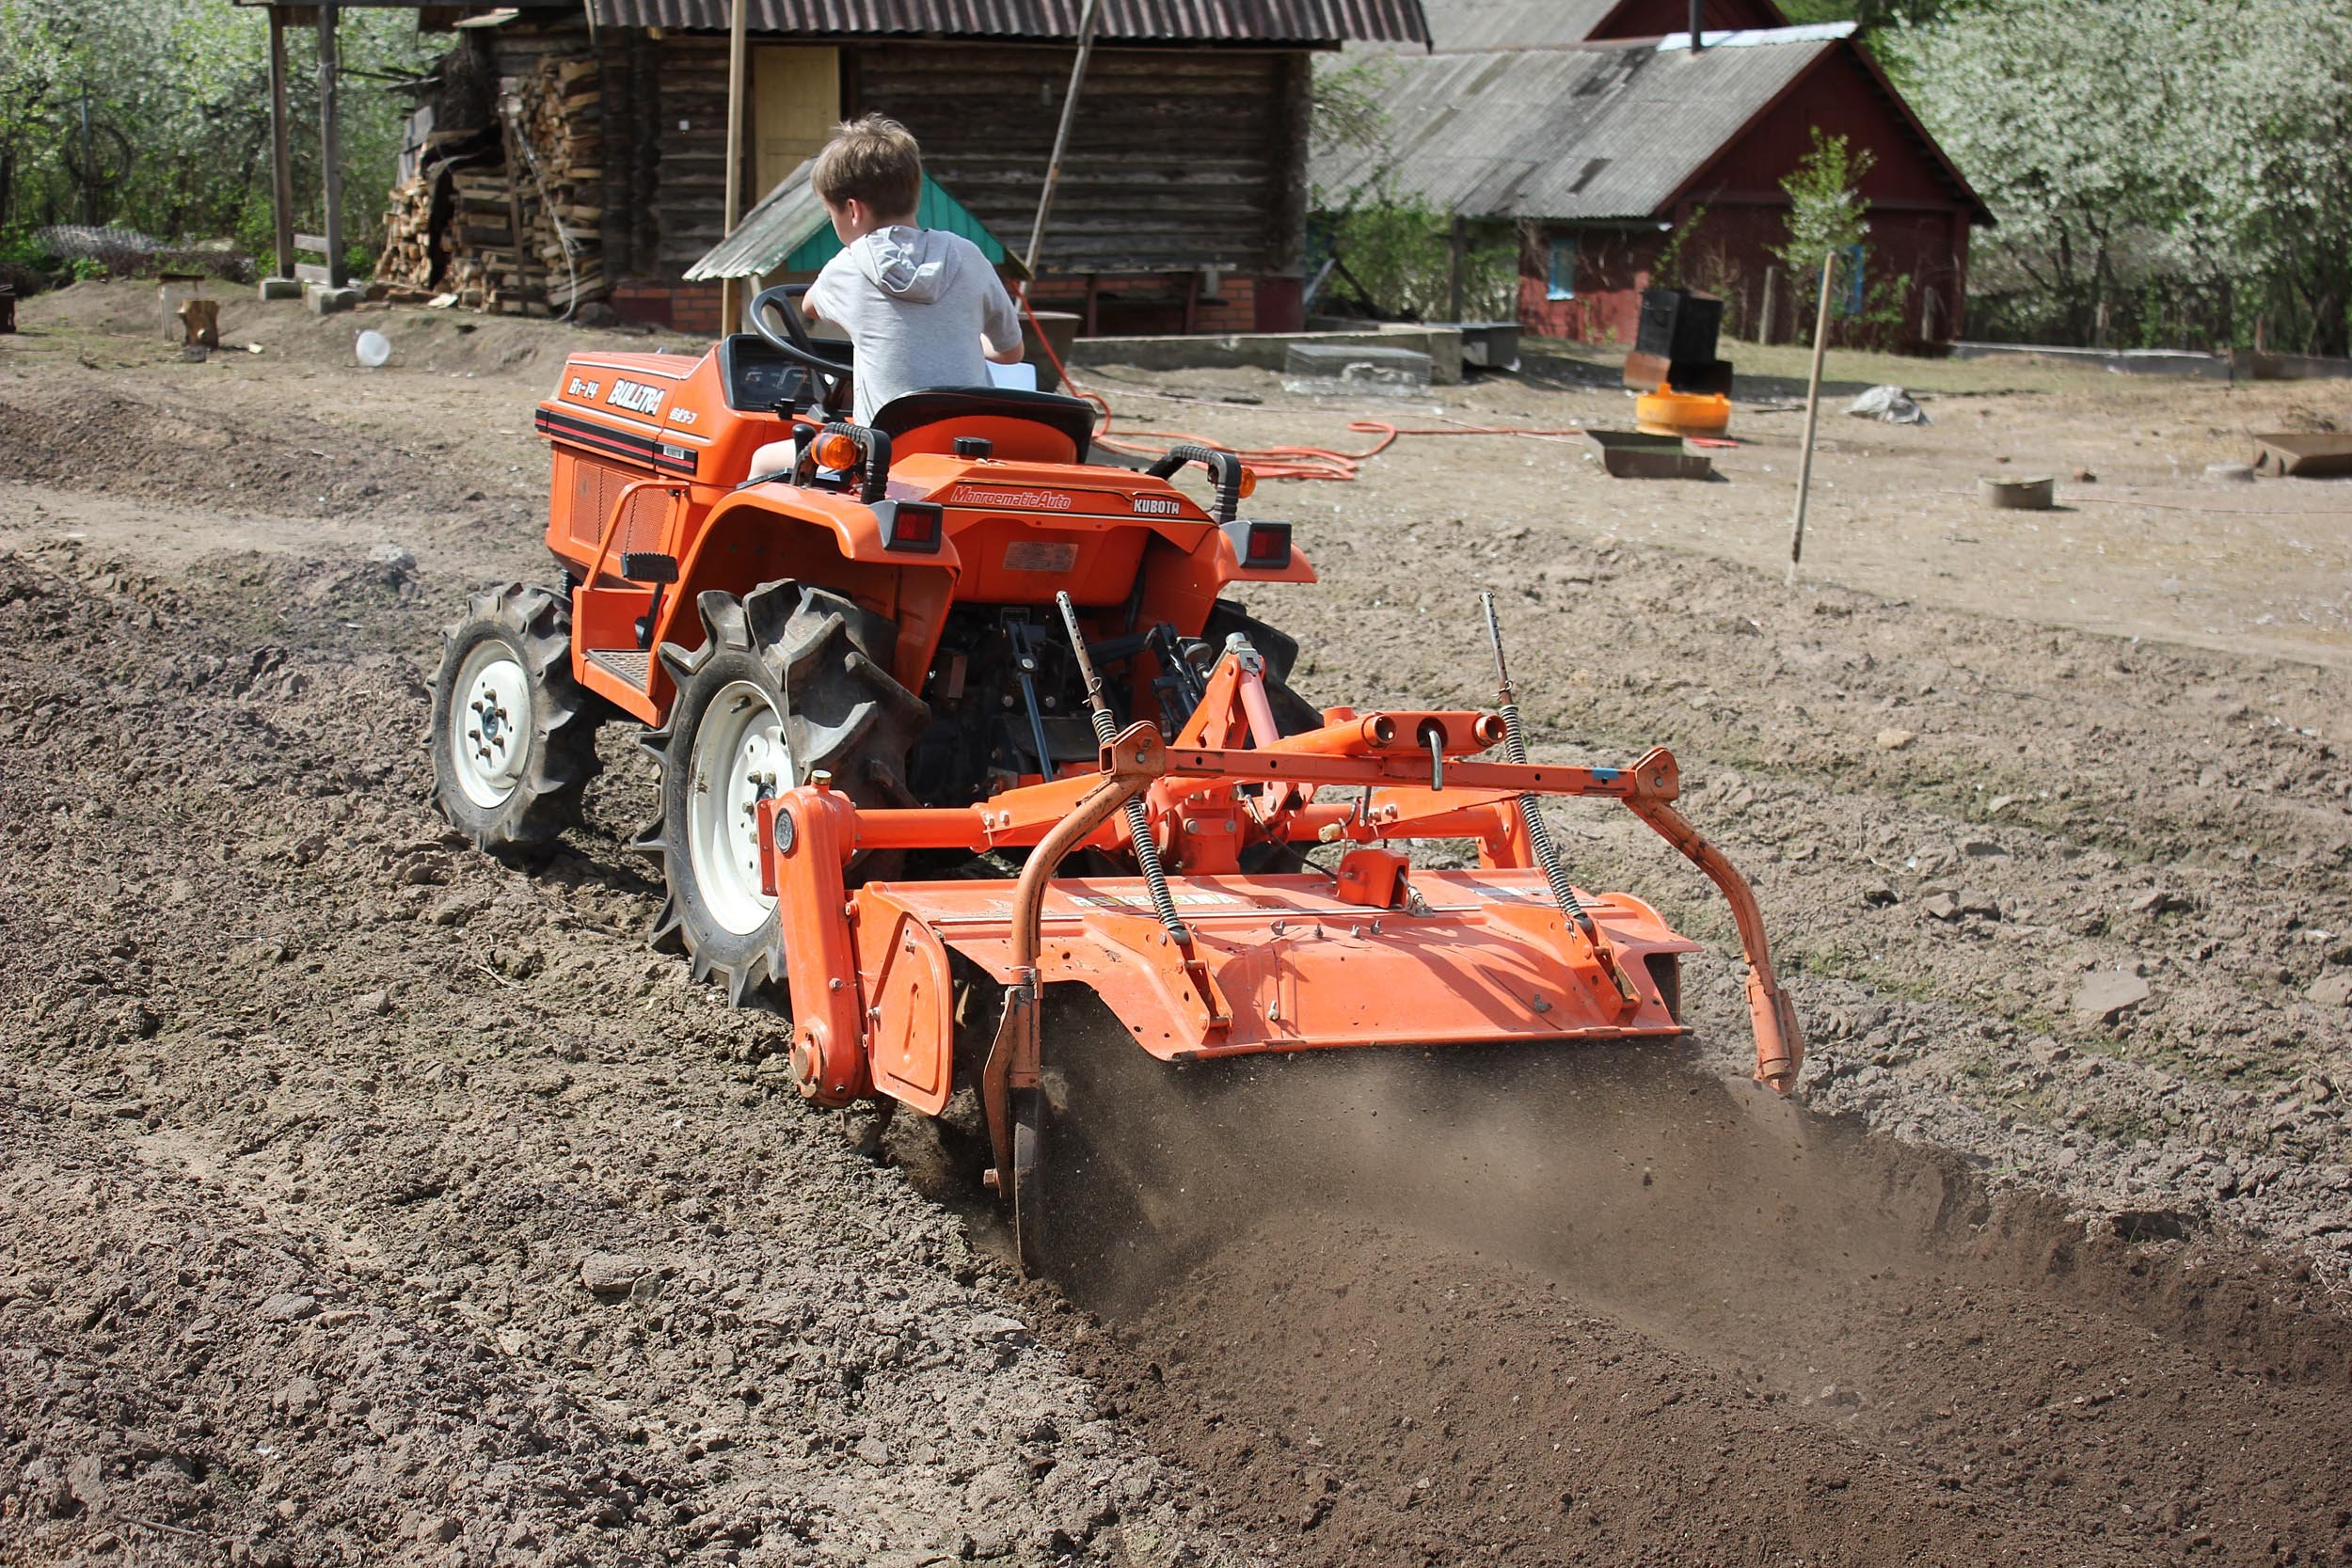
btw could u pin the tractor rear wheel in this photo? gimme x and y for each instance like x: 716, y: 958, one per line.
x: 788, y: 682
x: 513, y: 735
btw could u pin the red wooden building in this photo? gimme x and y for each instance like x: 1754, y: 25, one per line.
x: 1600, y: 150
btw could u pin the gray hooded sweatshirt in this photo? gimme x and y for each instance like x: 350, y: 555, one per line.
x: 915, y: 303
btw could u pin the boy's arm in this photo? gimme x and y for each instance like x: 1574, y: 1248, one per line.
x: 1000, y: 328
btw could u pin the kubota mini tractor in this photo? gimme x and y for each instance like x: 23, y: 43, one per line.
x: 947, y: 716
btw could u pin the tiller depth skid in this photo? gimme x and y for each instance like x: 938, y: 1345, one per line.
x: 1211, y: 960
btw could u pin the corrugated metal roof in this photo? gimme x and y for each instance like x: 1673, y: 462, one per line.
x: 1513, y: 24
x: 1458, y: 25
x: 1606, y: 130
x: 1125, y: 20
x: 790, y: 232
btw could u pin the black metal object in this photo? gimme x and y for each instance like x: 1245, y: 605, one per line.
x: 910, y: 410
x: 1224, y: 470
x: 1679, y: 325
x: 1138, y: 818
x: 1024, y: 638
x: 658, y: 569
x: 978, y: 447
x: 1514, y: 750
x: 873, y: 457
x: 794, y: 343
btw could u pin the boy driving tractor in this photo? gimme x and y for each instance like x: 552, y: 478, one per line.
x: 922, y: 307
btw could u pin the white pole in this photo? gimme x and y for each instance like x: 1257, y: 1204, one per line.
x: 1812, y: 415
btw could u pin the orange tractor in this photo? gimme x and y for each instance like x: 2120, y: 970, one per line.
x: 949, y: 716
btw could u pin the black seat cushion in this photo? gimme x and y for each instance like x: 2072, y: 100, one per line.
x: 910, y: 410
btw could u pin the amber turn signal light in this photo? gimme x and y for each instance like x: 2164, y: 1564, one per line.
x: 836, y: 452
x: 1248, y: 482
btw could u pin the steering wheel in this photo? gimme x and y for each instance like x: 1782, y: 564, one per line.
x: 795, y: 343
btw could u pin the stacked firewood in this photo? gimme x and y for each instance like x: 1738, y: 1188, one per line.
x: 505, y: 218
x: 562, y: 128
x: 417, y: 249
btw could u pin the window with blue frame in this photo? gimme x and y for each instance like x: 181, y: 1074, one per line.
x: 1563, y: 281
x: 1850, y: 301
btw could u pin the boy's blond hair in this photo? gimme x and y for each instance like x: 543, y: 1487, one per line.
x: 875, y: 160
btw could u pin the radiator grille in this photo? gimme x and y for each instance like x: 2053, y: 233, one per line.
x: 594, y: 487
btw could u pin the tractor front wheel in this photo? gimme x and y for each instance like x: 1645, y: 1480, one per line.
x: 788, y: 682
x: 513, y: 735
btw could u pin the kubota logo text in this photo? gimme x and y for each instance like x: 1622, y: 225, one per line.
x: 1031, y: 500
x: 636, y: 399
x: 1157, y: 506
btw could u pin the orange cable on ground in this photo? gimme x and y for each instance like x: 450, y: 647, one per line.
x: 1285, y: 462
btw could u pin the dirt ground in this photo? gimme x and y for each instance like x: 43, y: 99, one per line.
x: 365, y: 1199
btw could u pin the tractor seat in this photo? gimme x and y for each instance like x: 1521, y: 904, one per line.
x: 1034, y: 427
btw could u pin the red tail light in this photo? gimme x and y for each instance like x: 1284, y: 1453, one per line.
x: 1261, y: 544
x: 912, y: 526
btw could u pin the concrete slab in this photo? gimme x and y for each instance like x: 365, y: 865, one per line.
x: 1268, y: 349
x: 323, y: 300
x: 1353, y: 367
x: 281, y: 288
x: 2125, y: 361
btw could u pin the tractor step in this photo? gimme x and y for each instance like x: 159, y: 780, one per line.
x: 628, y: 664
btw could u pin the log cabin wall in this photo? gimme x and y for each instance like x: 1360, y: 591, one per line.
x: 1177, y: 160
x: 1182, y: 159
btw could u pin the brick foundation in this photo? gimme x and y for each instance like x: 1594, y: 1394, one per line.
x: 1153, y: 303
x: 689, y: 307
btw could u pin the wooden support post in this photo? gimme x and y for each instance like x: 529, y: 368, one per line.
x: 1771, y: 298
x: 280, y: 156
x: 1812, y: 415
x: 331, y: 149
x: 1061, y: 137
x: 731, y: 289
x: 519, y: 281
x: 1457, y: 260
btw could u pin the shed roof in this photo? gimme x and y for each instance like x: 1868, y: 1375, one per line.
x: 1456, y: 25
x: 1293, y: 22
x: 1513, y: 24
x: 790, y: 232
x: 1600, y: 131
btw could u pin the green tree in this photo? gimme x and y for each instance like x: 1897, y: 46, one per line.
x: 1826, y: 209
x: 182, y: 86
x: 2163, y: 170
x: 1871, y: 15
x: 1394, y: 244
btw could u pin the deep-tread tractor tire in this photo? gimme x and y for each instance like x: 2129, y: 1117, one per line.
x: 513, y: 735
x: 788, y: 681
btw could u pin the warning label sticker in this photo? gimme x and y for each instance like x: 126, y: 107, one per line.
x: 1039, y: 555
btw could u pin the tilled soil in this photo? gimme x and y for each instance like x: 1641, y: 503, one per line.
x: 368, y: 1199
x: 1617, y: 1310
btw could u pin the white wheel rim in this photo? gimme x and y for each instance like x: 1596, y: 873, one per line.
x: 740, y: 759
x: 489, y: 735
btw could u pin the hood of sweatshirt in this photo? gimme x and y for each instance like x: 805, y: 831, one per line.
x: 911, y: 264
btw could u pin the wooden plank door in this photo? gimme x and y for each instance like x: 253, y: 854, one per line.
x: 796, y: 102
